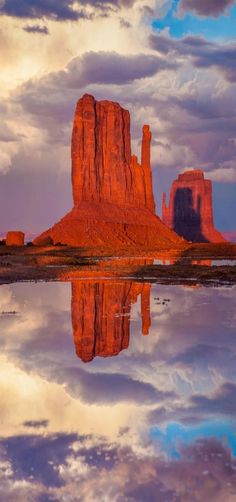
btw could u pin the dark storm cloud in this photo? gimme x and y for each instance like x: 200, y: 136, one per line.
x: 43, y: 463
x: 43, y: 30
x: 110, y: 68
x: 51, y: 99
x: 206, y: 355
x: 106, y: 7
x: 203, y: 54
x: 111, y: 388
x: 199, y: 407
x: 35, y: 424
x: 90, y: 387
x: 209, y: 108
x: 223, y: 401
x: 102, y: 3
x: 206, y: 7
x: 38, y: 456
x: 59, y: 10
x: 203, y: 120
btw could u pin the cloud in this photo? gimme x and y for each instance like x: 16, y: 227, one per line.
x: 61, y: 465
x: 102, y: 68
x: 35, y: 424
x: 205, y: 8
x: 223, y: 399
x: 203, y: 54
x: 111, y: 388
x: 106, y: 3
x: 36, y: 28
x: 189, y: 109
x: 199, y: 407
x: 197, y: 113
x: 38, y: 456
x: 226, y: 173
x: 61, y: 10
x: 124, y: 23
x: 132, y: 459
x: 51, y: 99
x: 111, y: 68
x: 202, y: 355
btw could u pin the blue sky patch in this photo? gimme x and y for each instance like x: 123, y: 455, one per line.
x: 176, y: 435
x: 222, y: 28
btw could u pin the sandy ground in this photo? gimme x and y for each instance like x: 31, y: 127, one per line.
x: 33, y: 263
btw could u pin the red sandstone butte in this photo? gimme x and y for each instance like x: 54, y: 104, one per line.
x: 190, y: 210
x: 114, y: 206
x: 100, y: 312
x: 15, y: 238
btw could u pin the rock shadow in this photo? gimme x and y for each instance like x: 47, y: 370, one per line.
x: 187, y: 218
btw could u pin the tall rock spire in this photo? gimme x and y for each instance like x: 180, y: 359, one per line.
x: 146, y: 165
x: 145, y: 308
x: 101, y: 152
x: 101, y: 157
x: 113, y: 203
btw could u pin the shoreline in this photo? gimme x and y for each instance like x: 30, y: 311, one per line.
x: 60, y: 263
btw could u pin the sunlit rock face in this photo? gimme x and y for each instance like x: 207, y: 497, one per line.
x: 112, y: 192
x: 100, y: 312
x: 190, y: 210
x: 101, y: 157
x: 15, y: 238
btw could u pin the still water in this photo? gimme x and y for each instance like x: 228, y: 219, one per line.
x: 117, y: 391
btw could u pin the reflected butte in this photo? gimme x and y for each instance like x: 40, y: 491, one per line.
x: 113, y: 199
x: 190, y: 210
x: 100, y: 312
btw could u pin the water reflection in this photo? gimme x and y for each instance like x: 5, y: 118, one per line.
x: 189, y: 261
x: 201, y: 262
x: 100, y: 313
x: 156, y: 423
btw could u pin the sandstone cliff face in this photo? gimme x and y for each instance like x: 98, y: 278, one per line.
x: 101, y: 152
x: 114, y: 206
x: 101, y: 157
x: 190, y: 210
x: 100, y: 312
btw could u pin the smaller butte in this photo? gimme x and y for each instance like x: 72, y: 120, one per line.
x: 190, y: 209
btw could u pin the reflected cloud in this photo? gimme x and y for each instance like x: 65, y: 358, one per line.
x: 155, y: 414
x: 206, y: 471
x: 110, y: 388
x: 36, y: 424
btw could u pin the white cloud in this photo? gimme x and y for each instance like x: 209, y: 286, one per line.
x: 224, y: 174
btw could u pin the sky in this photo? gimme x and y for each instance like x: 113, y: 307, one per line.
x: 170, y: 62
x: 166, y: 432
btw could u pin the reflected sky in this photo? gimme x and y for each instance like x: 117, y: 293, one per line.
x: 117, y: 390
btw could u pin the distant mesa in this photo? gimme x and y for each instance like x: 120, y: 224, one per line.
x: 114, y: 206
x: 230, y: 236
x: 15, y: 238
x: 100, y: 312
x: 190, y: 210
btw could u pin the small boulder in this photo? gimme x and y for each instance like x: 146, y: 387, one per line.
x: 15, y: 238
